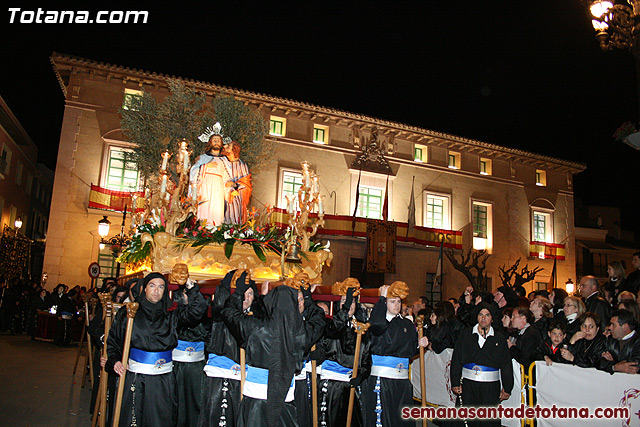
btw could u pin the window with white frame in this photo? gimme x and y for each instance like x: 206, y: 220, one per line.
x: 371, y: 195
x: 107, y: 261
x: 370, y: 202
x: 542, y: 226
x: 482, y: 222
x: 420, y: 153
x: 437, y: 212
x: 132, y: 99
x: 121, y: 173
x: 485, y: 166
x: 320, y: 134
x: 277, y: 126
x: 290, y: 183
x: 454, y: 160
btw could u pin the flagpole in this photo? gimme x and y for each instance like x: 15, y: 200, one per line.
x: 411, y: 218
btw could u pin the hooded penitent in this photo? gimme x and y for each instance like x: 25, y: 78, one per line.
x: 281, y: 339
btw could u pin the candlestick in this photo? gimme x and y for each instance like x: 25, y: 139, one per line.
x: 185, y: 165
x: 165, y: 160
x: 163, y: 185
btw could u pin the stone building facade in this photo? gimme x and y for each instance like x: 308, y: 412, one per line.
x: 25, y: 187
x: 497, y: 198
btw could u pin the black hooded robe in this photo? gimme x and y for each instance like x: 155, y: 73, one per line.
x: 189, y: 376
x: 150, y: 400
x: 275, y: 343
x: 338, y: 346
x: 221, y: 395
x: 382, y: 397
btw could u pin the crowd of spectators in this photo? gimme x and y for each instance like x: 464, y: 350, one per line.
x: 21, y: 300
x: 597, y: 327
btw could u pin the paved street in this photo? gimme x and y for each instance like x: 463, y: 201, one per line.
x: 36, y: 385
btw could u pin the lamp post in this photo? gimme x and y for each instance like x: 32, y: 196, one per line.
x: 118, y: 241
x: 617, y: 26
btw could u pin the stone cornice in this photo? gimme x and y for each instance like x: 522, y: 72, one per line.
x: 64, y: 64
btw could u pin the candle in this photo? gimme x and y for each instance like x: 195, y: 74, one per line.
x: 194, y: 192
x: 292, y: 205
x: 185, y: 165
x: 165, y: 160
x: 163, y: 186
x: 320, y: 208
x: 314, y: 188
x: 183, y: 145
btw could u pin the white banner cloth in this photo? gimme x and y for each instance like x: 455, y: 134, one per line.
x: 574, y: 387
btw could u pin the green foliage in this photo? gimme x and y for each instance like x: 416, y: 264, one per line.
x: 155, y: 127
x: 246, y: 127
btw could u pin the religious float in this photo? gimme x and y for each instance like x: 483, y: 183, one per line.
x: 195, y: 206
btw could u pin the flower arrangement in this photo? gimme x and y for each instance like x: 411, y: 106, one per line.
x: 258, y: 232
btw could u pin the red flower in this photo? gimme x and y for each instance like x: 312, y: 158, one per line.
x: 195, y: 233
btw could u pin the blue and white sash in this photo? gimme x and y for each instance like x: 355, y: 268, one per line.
x: 188, y: 351
x: 334, y: 371
x: 483, y: 374
x: 222, y: 367
x: 390, y: 367
x: 306, y: 369
x: 150, y: 362
x: 255, y: 385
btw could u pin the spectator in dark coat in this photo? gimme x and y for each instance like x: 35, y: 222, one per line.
x: 593, y: 302
x: 623, y: 346
x: 586, y: 345
x: 528, y: 340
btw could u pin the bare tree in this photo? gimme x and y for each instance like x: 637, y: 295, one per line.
x: 511, y: 277
x: 473, y: 265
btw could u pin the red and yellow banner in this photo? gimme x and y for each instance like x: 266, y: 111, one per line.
x: 112, y: 200
x: 544, y: 250
x: 381, y: 246
x: 340, y: 225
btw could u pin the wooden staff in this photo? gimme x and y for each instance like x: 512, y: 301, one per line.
x: 100, y: 406
x: 423, y: 397
x: 360, y: 329
x: 314, y: 389
x: 89, y: 359
x: 243, y: 370
x: 132, y: 308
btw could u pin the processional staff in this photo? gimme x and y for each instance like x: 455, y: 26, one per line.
x: 360, y: 329
x: 423, y: 397
x: 132, y: 308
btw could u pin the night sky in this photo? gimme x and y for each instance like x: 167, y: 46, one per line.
x: 527, y: 75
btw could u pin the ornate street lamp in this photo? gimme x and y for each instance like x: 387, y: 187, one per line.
x: 117, y: 242
x: 616, y: 24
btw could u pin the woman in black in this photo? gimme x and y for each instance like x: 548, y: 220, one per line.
x: 586, y: 345
x: 394, y: 340
x: 440, y: 332
x: 149, y: 392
